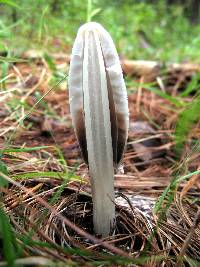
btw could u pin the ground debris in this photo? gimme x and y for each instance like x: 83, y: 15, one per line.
x: 41, y: 152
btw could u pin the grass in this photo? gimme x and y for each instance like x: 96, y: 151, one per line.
x: 140, y: 30
x: 188, y: 117
x: 9, y: 240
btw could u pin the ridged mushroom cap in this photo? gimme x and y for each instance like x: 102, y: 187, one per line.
x: 118, y: 103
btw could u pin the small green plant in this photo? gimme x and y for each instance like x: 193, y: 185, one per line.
x: 3, y: 169
x: 9, y: 241
x: 42, y: 23
x: 90, y: 11
x: 10, y: 247
x: 193, y: 86
x: 187, y: 119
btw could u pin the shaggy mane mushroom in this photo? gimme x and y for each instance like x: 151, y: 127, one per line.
x: 99, y: 109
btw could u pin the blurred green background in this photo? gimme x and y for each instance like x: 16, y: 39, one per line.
x: 152, y: 30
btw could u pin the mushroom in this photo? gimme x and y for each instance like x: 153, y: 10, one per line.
x: 99, y: 109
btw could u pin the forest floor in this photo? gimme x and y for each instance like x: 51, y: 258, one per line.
x: 48, y: 199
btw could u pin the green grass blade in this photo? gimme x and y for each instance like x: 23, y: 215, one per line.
x: 3, y: 80
x: 4, y: 170
x: 57, y: 175
x: 182, y: 178
x: 61, y: 158
x: 24, y: 149
x: 89, y: 10
x: 94, y: 13
x: 50, y: 62
x: 192, y: 86
x: 158, y: 204
x: 9, y: 243
x: 170, y: 98
x: 187, y: 118
x: 12, y: 59
x: 10, y: 3
x: 149, y: 86
x: 172, y: 185
x: 41, y: 23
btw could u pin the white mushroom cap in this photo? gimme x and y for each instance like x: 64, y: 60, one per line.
x: 116, y: 90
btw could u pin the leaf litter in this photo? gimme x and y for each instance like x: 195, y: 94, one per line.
x: 50, y: 186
